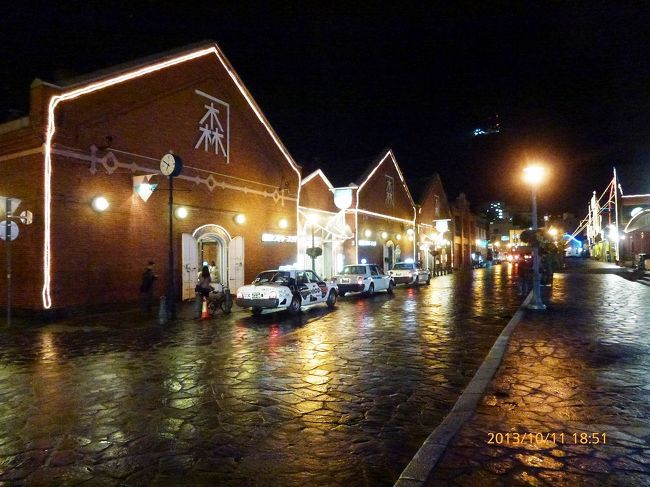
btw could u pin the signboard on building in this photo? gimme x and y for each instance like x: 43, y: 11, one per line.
x: 367, y: 243
x: 272, y: 237
x: 214, y: 127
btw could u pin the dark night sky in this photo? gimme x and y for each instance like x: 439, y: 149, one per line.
x: 570, y: 83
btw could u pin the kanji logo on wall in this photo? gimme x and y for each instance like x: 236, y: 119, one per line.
x: 214, y: 126
x: 390, y: 191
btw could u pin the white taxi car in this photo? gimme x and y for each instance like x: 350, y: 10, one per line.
x: 363, y: 278
x: 409, y: 273
x: 289, y: 289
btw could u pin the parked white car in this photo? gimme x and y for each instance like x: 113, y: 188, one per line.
x: 363, y: 278
x: 409, y: 273
x: 289, y: 289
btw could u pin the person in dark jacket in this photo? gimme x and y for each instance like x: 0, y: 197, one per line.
x: 204, y: 287
x: 146, y: 288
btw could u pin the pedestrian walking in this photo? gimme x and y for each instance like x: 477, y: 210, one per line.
x: 146, y: 287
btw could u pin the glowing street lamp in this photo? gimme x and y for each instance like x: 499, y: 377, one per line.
x: 534, y: 175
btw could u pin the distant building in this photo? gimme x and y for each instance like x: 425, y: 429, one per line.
x: 495, y: 211
x: 464, y: 231
x: 433, y: 230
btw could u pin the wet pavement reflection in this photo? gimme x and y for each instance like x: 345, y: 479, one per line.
x: 331, y: 397
x: 569, y: 405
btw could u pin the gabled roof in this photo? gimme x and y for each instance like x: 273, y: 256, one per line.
x: 120, y: 74
x: 79, y: 86
x: 386, y: 155
x: 421, y: 186
x: 116, y: 70
x: 317, y: 173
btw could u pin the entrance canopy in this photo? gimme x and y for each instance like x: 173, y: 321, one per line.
x: 640, y: 221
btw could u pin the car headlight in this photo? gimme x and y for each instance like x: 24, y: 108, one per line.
x: 273, y: 295
x: 240, y: 295
x: 360, y: 280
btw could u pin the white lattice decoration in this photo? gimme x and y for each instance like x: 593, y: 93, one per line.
x: 111, y: 163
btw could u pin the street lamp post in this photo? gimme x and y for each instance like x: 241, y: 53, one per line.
x: 171, y: 165
x: 171, y: 304
x: 534, y: 175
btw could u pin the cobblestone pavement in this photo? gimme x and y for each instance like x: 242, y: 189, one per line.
x: 342, y: 397
x: 580, y: 368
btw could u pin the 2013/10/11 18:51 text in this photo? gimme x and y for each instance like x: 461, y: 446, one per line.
x: 530, y: 438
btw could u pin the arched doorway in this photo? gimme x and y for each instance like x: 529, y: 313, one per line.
x: 212, y: 243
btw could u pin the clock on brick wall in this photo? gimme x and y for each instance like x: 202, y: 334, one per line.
x: 171, y: 165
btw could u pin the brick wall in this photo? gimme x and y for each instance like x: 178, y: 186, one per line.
x: 99, y: 257
x: 22, y: 178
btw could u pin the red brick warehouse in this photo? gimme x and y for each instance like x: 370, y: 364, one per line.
x: 98, y: 136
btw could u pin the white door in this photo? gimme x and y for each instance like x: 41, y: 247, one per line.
x: 236, y: 264
x: 190, y: 265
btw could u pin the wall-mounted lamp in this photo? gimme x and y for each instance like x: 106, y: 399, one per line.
x: 368, y: 233
x: 384, y: 235
x: 143, y: 187
x: 398, y: 237
x: 283, y: 223
x: 99, y: 204
x: 181, y: 212
x: 240, y: 218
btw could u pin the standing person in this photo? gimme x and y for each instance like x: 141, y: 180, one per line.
x: 204, y: 287
x: 214, y: 272
x: 524, y: 273
x: 146, y: 288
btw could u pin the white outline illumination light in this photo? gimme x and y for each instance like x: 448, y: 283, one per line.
x: 195, y: 232
x: 99, y: 85
x: 408, y: 193
x: 320, y: 173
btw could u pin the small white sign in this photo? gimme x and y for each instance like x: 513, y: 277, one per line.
x: 26, y: 217
x: 13, y: 230
x: 272, y: 237
x: 367, y: 243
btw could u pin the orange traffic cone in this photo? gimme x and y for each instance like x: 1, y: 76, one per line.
x: 204, y: 310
